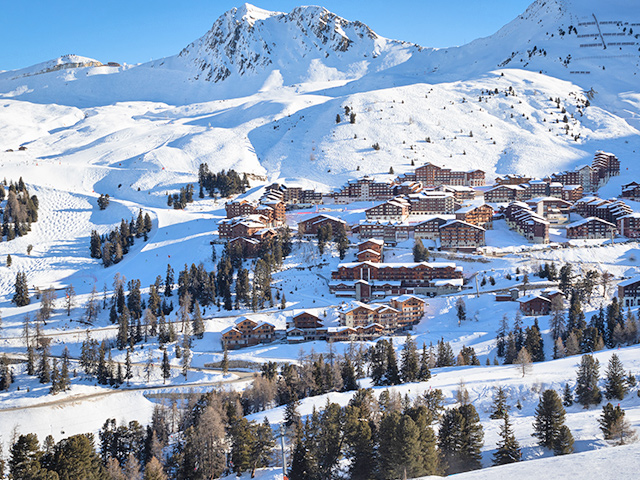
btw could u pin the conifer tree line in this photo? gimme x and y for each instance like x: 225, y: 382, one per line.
x: 609, y: 327
x: 317, y: 374
x: 179, y: 200
x: 20, y: 210
x: 222, y: 183
x: 113, y: 246
x: 511, y: 342
x: 386, y: 437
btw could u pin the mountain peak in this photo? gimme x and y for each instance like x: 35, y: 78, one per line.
x: 250, y: 13
x: 248, y: 41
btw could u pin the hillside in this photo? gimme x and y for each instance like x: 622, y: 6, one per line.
x: 303, y: 97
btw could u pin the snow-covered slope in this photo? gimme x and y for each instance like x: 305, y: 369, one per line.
x: 261, y: 90
x: 307, y: 44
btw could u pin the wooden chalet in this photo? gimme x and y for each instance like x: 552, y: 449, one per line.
x: 629, y: 292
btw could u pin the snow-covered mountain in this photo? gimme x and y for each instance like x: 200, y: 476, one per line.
x: 260, y: 92
x: 302, y: 45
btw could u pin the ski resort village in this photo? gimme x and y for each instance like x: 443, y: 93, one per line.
x: 299, y: 250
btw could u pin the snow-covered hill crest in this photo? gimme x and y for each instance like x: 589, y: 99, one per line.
x: 248, y: 41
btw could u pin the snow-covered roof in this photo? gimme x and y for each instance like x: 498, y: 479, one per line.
x: 372, y: 325
x: 245, y: 239
x: 229, y: 329
x: 547, y: 199
x: 587, y: 220
x: 372, y: 240
x: 629, y: 281
x: 367, y: 250
x: 445, y: 218
x: 324, y: 216
x: 261, y: 324
x: 471, y: 207
x: 405, y: 297
x: 242, y: 319
x: 399, y: 265
x: 442, y: 282
x: 451, y: 222
x: 339, y: 329
x: 531, y: 296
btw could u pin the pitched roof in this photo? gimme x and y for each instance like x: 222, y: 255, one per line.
x: 629, y: 281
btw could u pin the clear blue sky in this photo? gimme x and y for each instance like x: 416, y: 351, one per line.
x: 135, y: 31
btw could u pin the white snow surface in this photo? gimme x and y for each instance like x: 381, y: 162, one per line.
x: 140, y: 132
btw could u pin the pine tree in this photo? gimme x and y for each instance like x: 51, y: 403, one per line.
x: 461, y: 310
x: 378, y: 362
x: 186, y: 354
x: 122, y: 339
x: 445, y: 356
x: 21, y: 296
x: 291, y: 413
x: 348, y: 373
x: 534, y: 343
x: 64, y: 383
x: 557, y: 323
x: 31, y: 361
x: 262, y: 446
x: 558, y: 349
x: 399, y: 446
x: 587, y: 391
x: 241, y: 433
x: 502, y: 335
x: 168, y: 282
x: 410, y: 367
x: 460, y: 439
x: 128, y: 368
x: 198, y: 322
x: 75, y: 457
x: 508, y: 447
x: 392, y: 375
x: 420, y: 253
x: 610, y: 415
x: 95, y: 245
x: 429, y: 457
x: 360, y: 443
x: 224, y: 363
x: 44, y: 372
x: 424, y: 372
x: 549, y: 418
x: 500, y: 407
x: 55, y: 378
x: 615, y: 385
x: 24, y: 461
x: 6, y: 376
x: 102, y: 372
x: 621, y: 431
x: 567, y: 396
x: 166, y: 367
x: 301, y: 463
x: 148, y: 366
x: 563, y: 444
